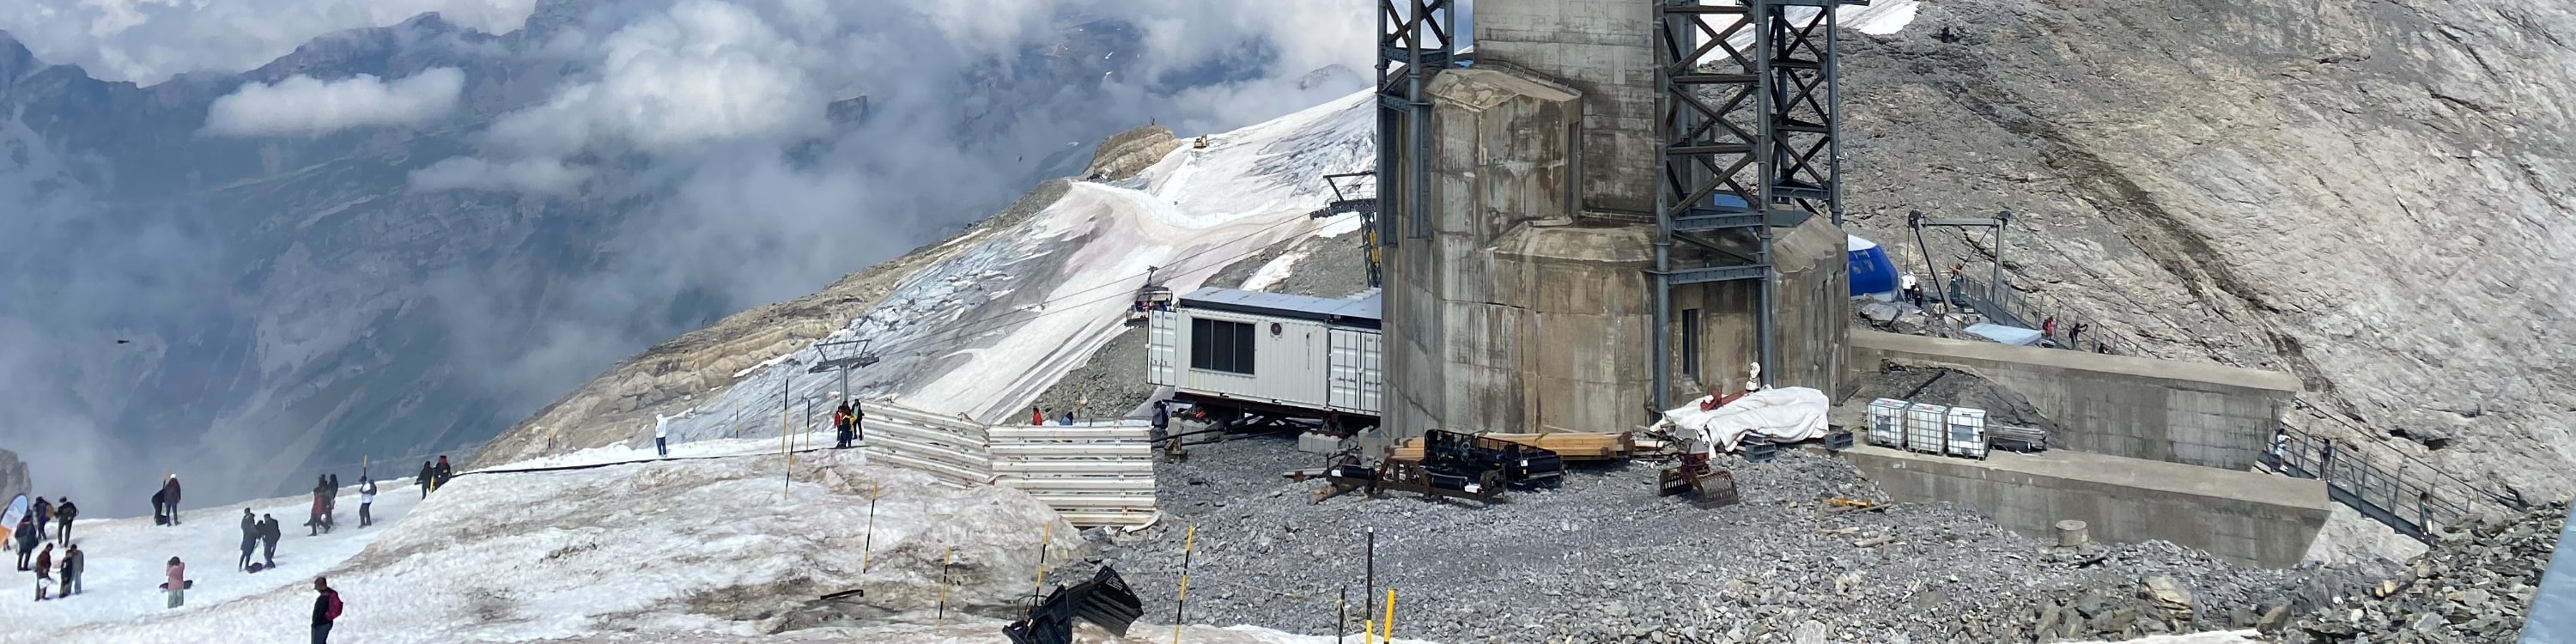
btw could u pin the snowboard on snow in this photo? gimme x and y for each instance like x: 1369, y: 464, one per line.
x: 254, y: 567
x: 183, y: 585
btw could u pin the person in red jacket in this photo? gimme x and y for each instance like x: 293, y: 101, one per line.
x: 326, y: 609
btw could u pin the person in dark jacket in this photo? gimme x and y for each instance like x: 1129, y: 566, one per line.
x: 841, y: 426
x: 445, y: 473
x: 170, y: 497
x: 250, y: 537
x: 73, y: 564
x: 268, y: 535
x: 63, y: 514
x: 858, y: 422
x: 26, y: 535
x: 326, y: 609
x: 44, y: 518
x: 161, y: 506
x: 422, y: 481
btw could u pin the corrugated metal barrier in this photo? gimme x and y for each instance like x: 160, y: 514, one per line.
x: 1095, y: 475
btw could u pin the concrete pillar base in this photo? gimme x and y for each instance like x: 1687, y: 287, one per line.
x: 1318, y: 443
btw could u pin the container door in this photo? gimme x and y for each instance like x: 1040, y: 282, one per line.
x: 1163, y: 341
x: 1354, y: 375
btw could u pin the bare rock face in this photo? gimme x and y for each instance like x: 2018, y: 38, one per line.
x: 2374, y: 198
x: 1124, y: 154
x: 13, y: 476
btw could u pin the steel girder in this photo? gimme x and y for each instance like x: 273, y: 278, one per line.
x: 1414, y: 42
x: 1747, y: 129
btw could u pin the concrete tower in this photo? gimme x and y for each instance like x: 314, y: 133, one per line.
x: 1517, y: 297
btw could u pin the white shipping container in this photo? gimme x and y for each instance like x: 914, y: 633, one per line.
x: 1887, y: 423
x: 1356, y: 375
x: 1927, y: 428
x: 1967, y: 432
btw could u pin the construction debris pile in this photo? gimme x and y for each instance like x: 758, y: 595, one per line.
x: 2475, y: 585
x: 1812, y: 550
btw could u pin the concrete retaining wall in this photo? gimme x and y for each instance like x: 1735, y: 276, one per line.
x: 2250, y: 518
x: 2192, y: 413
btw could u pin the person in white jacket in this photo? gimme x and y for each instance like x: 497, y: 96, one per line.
x: 661, y: 432
x: 366, y: 497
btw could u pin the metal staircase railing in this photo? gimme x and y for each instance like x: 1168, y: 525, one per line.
x: 2414, y: 499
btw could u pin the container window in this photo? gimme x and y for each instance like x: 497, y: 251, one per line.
x: 1219, y: 345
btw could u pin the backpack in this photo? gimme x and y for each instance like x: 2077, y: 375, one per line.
x: 332, y: 613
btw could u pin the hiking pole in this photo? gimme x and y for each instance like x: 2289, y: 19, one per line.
x: 1342, y: 614
x: 1187, y: 542
x: 1038, y: 592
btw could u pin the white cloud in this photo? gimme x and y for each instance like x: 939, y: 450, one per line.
x: 536, y: 176
x: 702, y: 71
x: 148, y: 41
x: 306, y: 105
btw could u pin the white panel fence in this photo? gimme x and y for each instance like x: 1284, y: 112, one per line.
x: 1095, y: 475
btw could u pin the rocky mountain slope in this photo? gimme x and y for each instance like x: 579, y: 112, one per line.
x: 2374, y: 197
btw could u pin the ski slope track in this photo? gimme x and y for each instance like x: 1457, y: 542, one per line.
x: 983, y: 331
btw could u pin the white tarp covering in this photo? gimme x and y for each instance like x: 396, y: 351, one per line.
x: 1787, y: 414
x: 2005, y: 333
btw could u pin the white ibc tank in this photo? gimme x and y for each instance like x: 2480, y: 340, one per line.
x: 1927, y: 428
x: 1887, y: 423
x: 1967, y: 432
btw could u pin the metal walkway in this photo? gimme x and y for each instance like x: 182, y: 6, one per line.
x: 2414, y: 498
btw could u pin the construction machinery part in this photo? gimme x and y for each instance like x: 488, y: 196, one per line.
x: 1712, y: 488
x: 1105, y: 601
x: 1468, y: 456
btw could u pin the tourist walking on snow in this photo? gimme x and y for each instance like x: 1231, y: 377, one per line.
x: 26, y: 536
x: 321, y: 519
x: 73, y: 563
x: 178, y: 583
x: 250, y: 537
x: 44, y: 517
x: 661, y: 430
x: 331, y: 501
x: 422, y: 481
x: 326, y: 609
x: 445, y: 473
x: 44, y: 571
x: 366, y: 497
x: 63, y: 514
x: 268, y: 535
x: 170, y: 497
x: 161, y: 506
x: 841, y: 426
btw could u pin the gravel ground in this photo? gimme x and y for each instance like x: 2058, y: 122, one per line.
x: 1579, y: 562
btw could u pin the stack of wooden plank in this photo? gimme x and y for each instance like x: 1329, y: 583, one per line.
x: 1571, y: 446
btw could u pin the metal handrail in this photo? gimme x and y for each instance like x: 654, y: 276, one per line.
x: 2408, y: 500
x: 2009, y: 306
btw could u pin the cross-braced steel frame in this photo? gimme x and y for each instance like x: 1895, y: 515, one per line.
x: 1748, y: 132
x: 1414, y: 42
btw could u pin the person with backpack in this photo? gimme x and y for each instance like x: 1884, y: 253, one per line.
x: 170, y: 497
x: 73, y: 564
x: 268, y: 535
x: 44, y: 517
x: 366, y: 497
x: 161, y: 506
x: 422, y: 481
x: 331, y: 501
x: 445, y: 473
x: 178, y: 583
x: 841, y: 426
x: 858, y: 422
x: 63, y: 514
x: 250, y: 537
x: 326, y: 609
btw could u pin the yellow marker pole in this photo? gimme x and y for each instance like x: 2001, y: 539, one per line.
x: 871, y: 539
x: 1187, y: 542
x: 1386, y: 628
x: 944, y: 561
x: 1045, y: 530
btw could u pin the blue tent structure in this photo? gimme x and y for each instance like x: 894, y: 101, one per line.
x: 1871, y: 272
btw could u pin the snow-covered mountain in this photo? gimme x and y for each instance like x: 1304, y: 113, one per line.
x: 396, y: 241
x: 981, y: 323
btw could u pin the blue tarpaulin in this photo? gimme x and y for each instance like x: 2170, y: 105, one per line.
x: 1871, y: 272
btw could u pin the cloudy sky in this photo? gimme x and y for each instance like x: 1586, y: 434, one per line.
x: 713, y: 108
